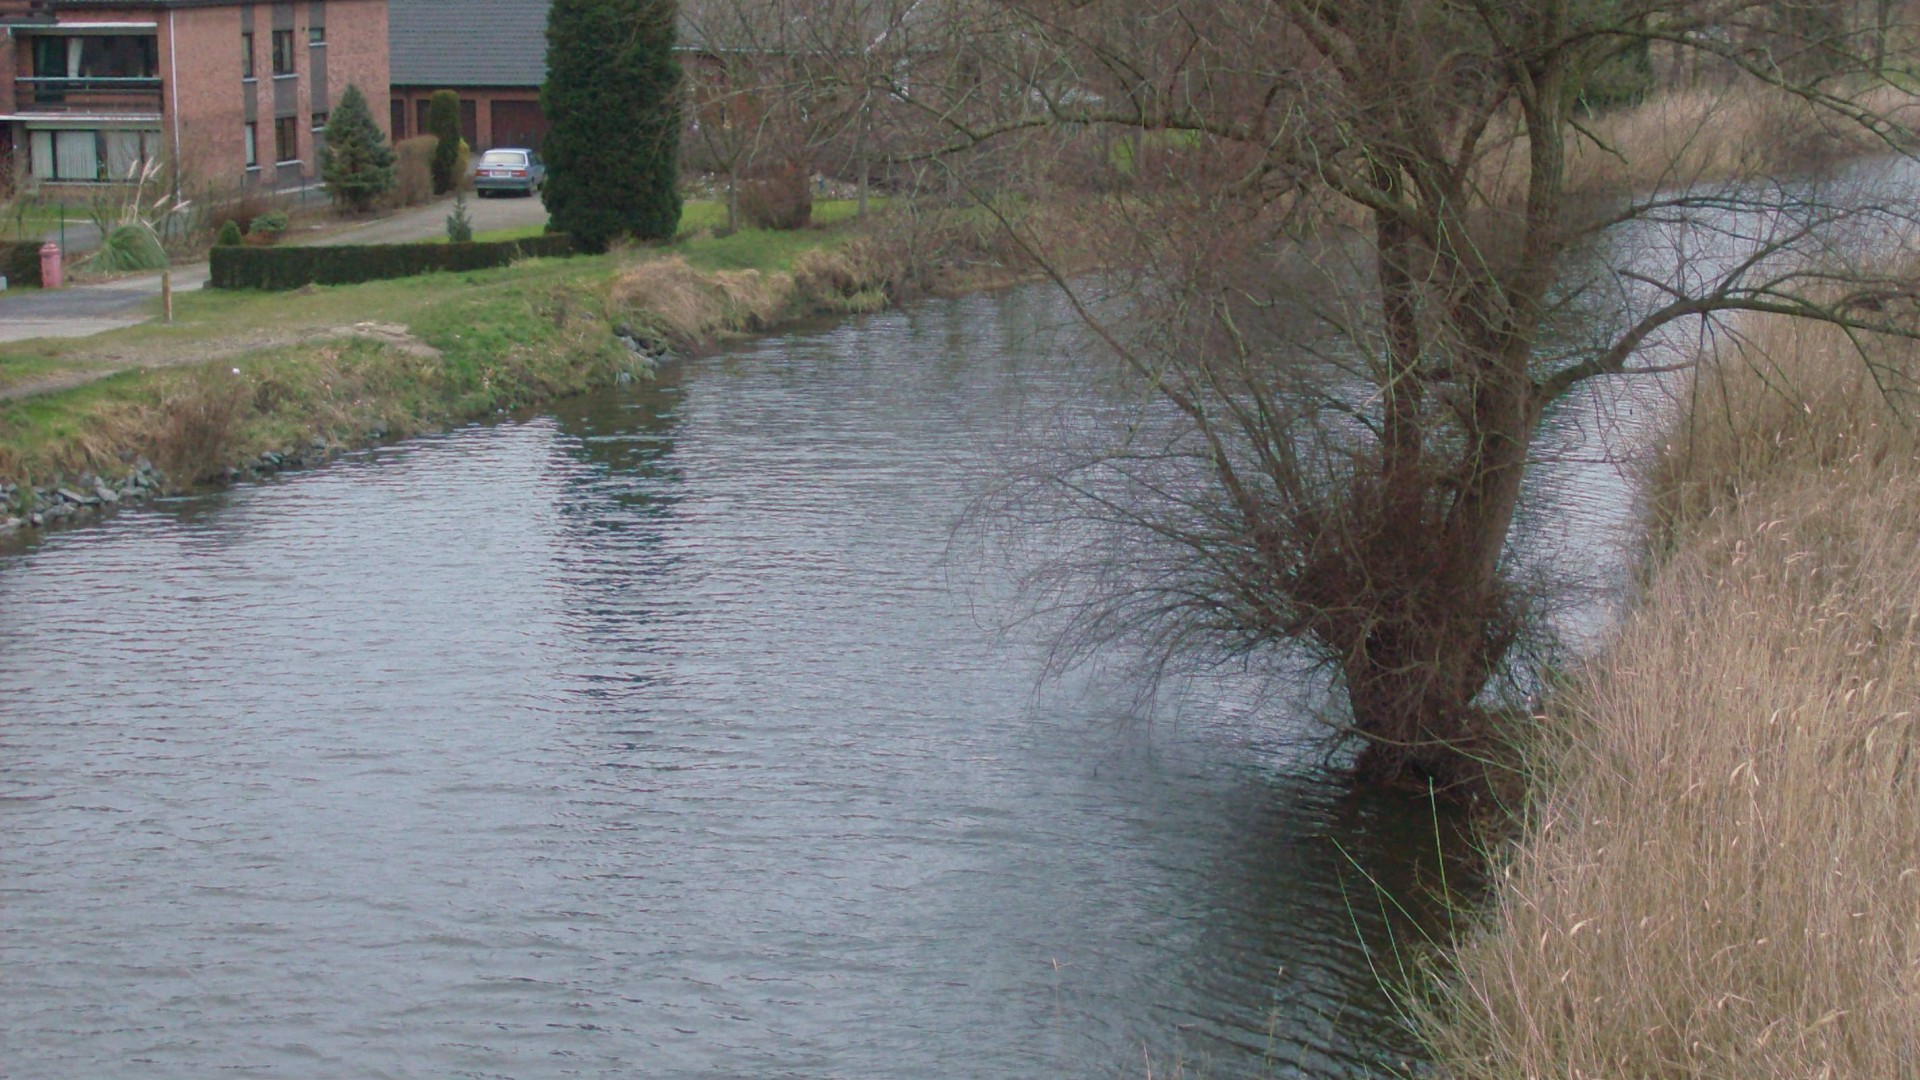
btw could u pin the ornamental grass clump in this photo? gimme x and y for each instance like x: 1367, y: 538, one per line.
x: 130, y: 228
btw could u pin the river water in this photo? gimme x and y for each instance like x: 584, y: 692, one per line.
x: 664, y: 733
x: 668, y: 732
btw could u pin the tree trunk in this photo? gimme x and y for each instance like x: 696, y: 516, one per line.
x: 860, y: 153
x: 1434, y: 616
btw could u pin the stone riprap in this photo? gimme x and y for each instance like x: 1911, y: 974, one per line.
x: 72, y: 501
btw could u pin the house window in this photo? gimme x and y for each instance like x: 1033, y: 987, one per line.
x: 283, y: 52
x: 286, y: 140
x: 316, y: 35
x: 246, y: 56
x: 319, y: 121
x: 91, y: 155
x: 253, y: 148
x: 96, y: 56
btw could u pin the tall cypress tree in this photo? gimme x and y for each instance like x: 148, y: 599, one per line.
x: 612, y: 96
x: 443, y: 122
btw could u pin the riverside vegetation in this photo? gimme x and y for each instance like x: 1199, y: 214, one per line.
x: 1720, y: 867
x: 248, y: 382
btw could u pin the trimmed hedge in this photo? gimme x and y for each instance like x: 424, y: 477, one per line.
x: 293, y: 267
x: 20, y: 261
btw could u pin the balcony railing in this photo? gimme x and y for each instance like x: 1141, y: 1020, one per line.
x: 87, y: 96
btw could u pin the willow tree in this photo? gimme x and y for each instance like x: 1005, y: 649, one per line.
x: 1385, y: 240
x: 612, y: 97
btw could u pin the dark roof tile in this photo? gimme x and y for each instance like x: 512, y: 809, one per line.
x: 468, y: 42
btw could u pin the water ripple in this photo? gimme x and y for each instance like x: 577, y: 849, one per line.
x: 658, y: 734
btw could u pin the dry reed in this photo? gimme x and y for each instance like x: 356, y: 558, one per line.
x: 1720, y: 876
x: 693, y: 307
x: 1685, y: 137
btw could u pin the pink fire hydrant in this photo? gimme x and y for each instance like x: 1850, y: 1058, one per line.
x: 50, y: 276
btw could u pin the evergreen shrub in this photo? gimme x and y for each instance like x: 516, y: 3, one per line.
x: 443, y: 123
x: 20, y: 262
x: 356, y: 161
x: 229, y: 234
x: 293, y: 267
x: 613, y: 96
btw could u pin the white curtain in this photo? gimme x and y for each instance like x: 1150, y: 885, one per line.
x: 123, y: 154
x: 76, y: 155
x: 41, y: 145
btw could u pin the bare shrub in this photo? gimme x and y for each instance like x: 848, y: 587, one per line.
x: 239, y: 209
x: 196, y: 423
x: 778, y: 197
x: 412, y: 171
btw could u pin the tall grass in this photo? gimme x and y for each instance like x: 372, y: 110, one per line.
x: 1684, y: 137
x: 1720, y: 873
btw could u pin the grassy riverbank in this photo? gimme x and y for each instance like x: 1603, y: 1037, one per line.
x: 240, y: 374
x: 1720, y: 869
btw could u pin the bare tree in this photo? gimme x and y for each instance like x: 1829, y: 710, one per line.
x: 796, y: 83
x: 1386, y: 242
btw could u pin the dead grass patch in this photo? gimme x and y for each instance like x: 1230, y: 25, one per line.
x: 694, y: 307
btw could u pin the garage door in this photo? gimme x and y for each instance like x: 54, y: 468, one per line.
x: 518, y: 123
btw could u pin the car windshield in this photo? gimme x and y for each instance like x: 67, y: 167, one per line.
x: 504, y: 157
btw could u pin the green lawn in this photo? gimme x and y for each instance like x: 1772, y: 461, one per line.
x: 26, y: 220
x: 500, y: 341
x: 747, y: 249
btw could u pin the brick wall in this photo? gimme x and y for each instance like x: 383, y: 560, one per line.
x: 204, y: 96
x: 12, y: 167
x: 357, y: 47
x: 501, y: 115
x: 207, y: 103
x: 216, y: 103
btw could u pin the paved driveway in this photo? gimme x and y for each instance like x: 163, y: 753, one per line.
x: 89, y: 309
x: 429, y: 222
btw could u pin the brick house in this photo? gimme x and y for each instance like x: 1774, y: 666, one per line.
x: 234, y: 92
x: 493, y: 53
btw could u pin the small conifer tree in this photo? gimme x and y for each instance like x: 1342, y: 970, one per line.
x: 459, y: 223
x: 613, y: 97
x: 443, y: 123
x: 229, y: 234
x: 356, y: 161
